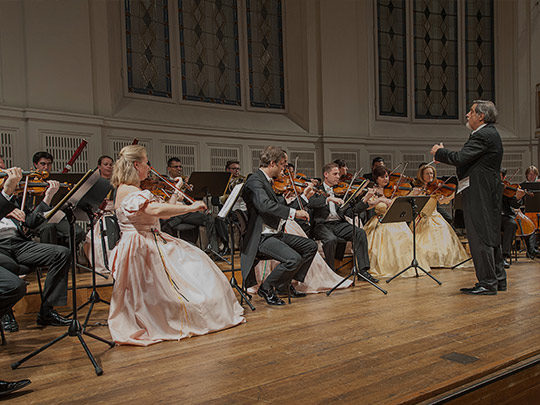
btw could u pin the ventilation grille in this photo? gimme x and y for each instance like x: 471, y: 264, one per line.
x: 512, y: 162
x: 185, y: 153
x: 220, y: 155
x: 413, y: 162
x: 306, y: 162
x: 6, y: 146
x: 255, y: 158
x: 118, y: 144
x: 350, y: 157
x: 62, y: 148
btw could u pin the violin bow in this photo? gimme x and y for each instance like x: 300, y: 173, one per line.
x: 351, y: 183
x: 292, y: 183
x: 399, y: 181
x: 516, y: 172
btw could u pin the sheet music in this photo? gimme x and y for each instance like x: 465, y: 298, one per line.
x: 235, y: 193
x: 463, y: 184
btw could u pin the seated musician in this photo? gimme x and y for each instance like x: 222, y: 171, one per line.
x: 12, y: 288
x: 105, y: 166
x: 390, y: 244
x: 433, y: 232
x: 330, y: 225
x: 531, y: 174
x: 17, y: 249
x: 264, y: 236
x: 376, y: 162
x: 53, y: 233
x: 509, y: 225
x: 172, y: 225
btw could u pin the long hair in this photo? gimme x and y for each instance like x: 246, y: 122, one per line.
x: 123, y: 171
x: 420, y: 174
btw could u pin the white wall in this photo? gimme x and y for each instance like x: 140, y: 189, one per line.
x: 62, y: 72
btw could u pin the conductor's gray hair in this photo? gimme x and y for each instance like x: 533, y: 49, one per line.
x: 488, y: 109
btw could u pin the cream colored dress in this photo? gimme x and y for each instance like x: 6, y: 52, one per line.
x: 390, y: 249
x: 165, y: 288
x: 437, y: 238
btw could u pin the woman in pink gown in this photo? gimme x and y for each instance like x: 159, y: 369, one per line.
x: 165, y: 288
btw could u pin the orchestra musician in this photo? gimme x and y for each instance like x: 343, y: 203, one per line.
x: 438, y: 239
x: 508, y: 221
x: 478, y: 166
x: 172, y: 225
x: 329, y: 223
x: 267, y: 214
x: 531, y: 174
x: 12, y: 288
x: 375, y: 162
x: 105, y: 166
x: 169, y: 289
x: 390, y: 244
x: 18, y: 249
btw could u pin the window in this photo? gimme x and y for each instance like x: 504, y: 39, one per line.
x: 210, y: 49
x: 420, y: 54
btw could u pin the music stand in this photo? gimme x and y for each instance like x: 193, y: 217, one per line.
x: 225, y: 214
x: 208, y: 185
x: 81, y: 197
x: 406, y: 209
x: 355, y: 273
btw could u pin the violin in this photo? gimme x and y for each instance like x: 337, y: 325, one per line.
x: 397, y: 190
x: 399, y: 178
x: 341, y: 188
x: 510, y: 190
x: 158, y: 188
x: 440, y: 188
x: 37, y: 188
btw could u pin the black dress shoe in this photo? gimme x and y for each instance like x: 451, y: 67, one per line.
x: 506, y: 264
x: 270, y: 297
x: 292, y: 292
x: 7, y: 387
x: 9, y: 322
x: 478, y: 290
x: 366, y: 274
x: 52, y: 318
x: 501, y: 287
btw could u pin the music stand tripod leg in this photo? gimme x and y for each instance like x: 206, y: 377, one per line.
x: 234, y: 284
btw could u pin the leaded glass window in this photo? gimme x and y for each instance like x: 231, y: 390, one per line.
x: 479, y: 50
x: 147, y: 46
x: 392, y: 58
x: 209, y: 51
x: 435, y: 59
x: 265, y: 53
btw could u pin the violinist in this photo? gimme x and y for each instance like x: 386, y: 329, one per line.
x: 375, y: 162
x: 267, y: 214
x: 390, y: 244
x: 509, y: 225
x: 19, y: 251
x: 531, y: 174
x: 343, y: 169
x: 53, y: 233
x: 173, y: 225
x: 330, y: 224
x: 433, y: 232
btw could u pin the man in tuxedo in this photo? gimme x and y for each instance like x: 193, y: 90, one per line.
x: 17, y: 249
x: 267, y: 214
x: 12, y: 288
x: 478, y: 165
x: 330, y: 225
x: 172, y: 225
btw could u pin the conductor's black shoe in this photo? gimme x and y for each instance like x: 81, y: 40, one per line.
x: 501, y: 286
x: 506, y: 264
x: 7, y: 387
x: 478, y: 290
x: 270, y: 297
x: 9, y: 322
x: 292, y: 292
x: 366, y: 274
x: 52, y: 318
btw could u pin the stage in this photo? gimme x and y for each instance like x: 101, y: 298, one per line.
x: 420, y: 342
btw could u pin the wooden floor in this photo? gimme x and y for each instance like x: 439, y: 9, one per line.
x: 356, y: 346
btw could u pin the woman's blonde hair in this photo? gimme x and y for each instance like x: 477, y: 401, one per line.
x: 420, y: 174
x: 123, y: 171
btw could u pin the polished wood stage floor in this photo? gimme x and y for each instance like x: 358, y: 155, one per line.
x: 356, y: 346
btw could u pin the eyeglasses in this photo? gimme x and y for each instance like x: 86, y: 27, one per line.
x: 175, y: 167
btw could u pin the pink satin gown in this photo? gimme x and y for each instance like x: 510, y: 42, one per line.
x: 165, y: 288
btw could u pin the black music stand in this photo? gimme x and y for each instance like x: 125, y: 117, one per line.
x: 82, y: 196
x: 406, y: 209
x: 207, y: 185
x: 355, y: 273
x: 226, y: 214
